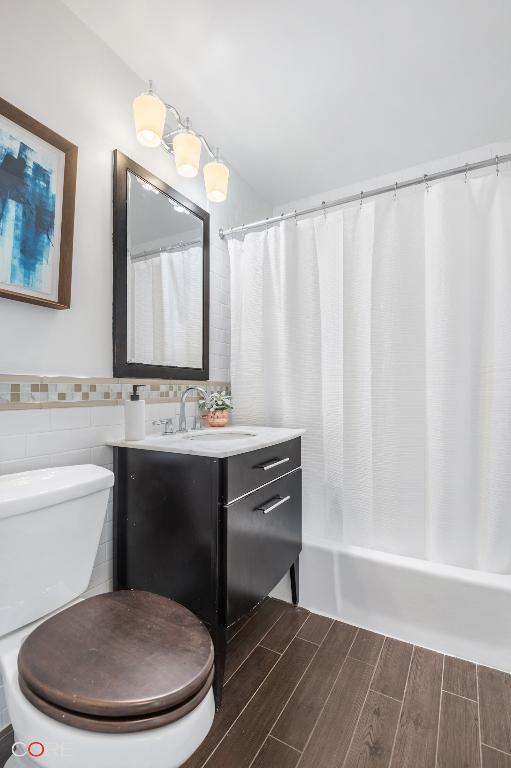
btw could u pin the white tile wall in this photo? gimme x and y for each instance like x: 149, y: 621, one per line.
x: 220, y: 313
x: 37, y: 438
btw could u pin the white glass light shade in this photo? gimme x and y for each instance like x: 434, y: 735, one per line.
x: 149, y: 113
x: 187, y: 148
x: 216, y: 178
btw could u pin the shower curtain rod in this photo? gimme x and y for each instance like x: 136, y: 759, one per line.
x: 361, y: 196
x: 168, y: 249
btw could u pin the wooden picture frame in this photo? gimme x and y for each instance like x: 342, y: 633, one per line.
x: 37, y: 205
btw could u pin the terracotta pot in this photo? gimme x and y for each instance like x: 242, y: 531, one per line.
x: 218, y: 418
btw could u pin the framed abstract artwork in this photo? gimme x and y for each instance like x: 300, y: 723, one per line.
x: 37, y: 202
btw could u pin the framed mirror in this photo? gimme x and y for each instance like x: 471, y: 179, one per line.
x: 161, y: 278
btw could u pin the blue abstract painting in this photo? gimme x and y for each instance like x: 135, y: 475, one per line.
x: 31, y: 178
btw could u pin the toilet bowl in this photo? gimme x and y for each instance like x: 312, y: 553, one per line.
x: 63, y: 659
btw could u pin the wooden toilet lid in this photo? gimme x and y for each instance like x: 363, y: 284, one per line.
x: 117, y: 724
x: 118, y: 655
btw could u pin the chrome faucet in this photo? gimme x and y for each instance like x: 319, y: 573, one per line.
x: 182, y: 412
x: 167, y: 424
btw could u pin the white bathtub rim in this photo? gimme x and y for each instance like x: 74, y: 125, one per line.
x: 501, y: 581
x: 440, y: 628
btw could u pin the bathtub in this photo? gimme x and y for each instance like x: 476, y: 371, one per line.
x: 457, y: 611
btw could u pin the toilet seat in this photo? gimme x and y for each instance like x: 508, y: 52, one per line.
x: 117, y: 663
x: 119, y: 724
x: 167, y: 747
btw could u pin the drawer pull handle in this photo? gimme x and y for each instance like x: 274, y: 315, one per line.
x: 272, y: 464
x: 272, y: 504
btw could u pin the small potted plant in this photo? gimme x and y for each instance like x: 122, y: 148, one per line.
x: 216, y: 406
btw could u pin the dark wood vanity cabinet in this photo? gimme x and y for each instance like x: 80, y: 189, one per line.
x: 263, y: 532
x: 215, y: 534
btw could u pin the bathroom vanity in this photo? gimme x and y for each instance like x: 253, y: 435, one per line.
x: 211, y: 518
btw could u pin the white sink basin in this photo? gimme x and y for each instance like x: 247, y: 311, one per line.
x: 221, y: 435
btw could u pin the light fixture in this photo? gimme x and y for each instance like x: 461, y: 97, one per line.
x: 216, y: 178
x: 179, y: 208
x: 150, y: 114
x: 187, y: 147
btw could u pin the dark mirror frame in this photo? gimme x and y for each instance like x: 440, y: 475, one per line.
x: 123, y: 369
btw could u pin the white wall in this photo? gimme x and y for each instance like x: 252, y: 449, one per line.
x: 453, y: 161
x: 59, y: 72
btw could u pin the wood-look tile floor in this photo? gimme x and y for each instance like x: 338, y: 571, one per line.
x: 303, y: 691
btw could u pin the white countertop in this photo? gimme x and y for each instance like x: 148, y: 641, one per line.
x: 210, y: 442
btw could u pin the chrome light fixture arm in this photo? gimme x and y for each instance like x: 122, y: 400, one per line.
x: 151, y: 114
x: 177, y: 117
x: 213, y: 155
x: 184, y: 125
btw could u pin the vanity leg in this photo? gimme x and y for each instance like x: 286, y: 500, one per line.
x: 295, y: 581
x: 219, y: 636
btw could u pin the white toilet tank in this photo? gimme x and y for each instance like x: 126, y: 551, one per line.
x: 50, y: 526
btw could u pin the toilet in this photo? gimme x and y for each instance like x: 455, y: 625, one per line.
x: 118, y: 679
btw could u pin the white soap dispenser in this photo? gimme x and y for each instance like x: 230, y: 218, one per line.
x: 134, y: 416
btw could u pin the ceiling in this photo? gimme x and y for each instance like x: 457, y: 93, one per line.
x: 306, y: 96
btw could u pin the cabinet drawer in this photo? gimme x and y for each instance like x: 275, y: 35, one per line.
x: 264, y: 538
x: 247, y: 471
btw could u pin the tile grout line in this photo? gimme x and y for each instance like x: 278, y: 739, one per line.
x: 295, y: 637
x: 501, y: 751
x: 458, y: 695
x: 255, y: 646
x: 354, y: 658
x: 255, y: 612
x: 318, y: 646
x: 254, y: 694
x: 269, y: 649
x: 270, y: 736
x: 363, y: 703
x: 386, y: 695
x: 265, y: 740
x: 310, y: 641
x: 479, y: 717
x: 237, y: 633
x: 243, y: 708
x: 439, y: 712
x: 401, y: 708
x: 331, y: 689
x: 287, y: 700
x: 332, y: 622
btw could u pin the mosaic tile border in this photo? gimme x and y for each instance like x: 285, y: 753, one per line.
x: 18, y: 392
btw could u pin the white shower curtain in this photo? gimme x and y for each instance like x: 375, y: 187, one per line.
x: 385, y: 331
x: 165, y: 309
